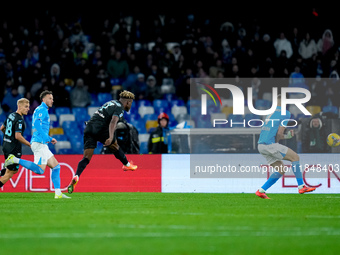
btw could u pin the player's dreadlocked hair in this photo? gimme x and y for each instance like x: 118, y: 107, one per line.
x: 127, y: 95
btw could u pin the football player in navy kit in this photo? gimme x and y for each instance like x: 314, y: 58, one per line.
x: 101, y: 128
x: 13, y: 129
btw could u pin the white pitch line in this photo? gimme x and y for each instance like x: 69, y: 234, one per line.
x: 164, y: 234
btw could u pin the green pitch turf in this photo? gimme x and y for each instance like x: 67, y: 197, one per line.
x: 169, y: 223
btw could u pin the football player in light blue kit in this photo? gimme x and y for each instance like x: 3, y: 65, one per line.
x: 269, y: 147
x: 42, y: 155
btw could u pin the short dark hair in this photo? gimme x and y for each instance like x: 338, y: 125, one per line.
x: 44, y: 93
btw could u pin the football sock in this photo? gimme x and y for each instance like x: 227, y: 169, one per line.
x: 55, y: 176
x: 82, y: 165
x: 1, y: 184
x: 121, y: 156
x: 297, y: 172
x: 272, y: 179
x: 31, y: 166
x: 3, y: 171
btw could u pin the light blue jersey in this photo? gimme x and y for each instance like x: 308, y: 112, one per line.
x: 271, y: 126
x: 41, y: 125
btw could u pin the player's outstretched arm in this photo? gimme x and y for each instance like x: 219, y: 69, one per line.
x: 3, y: 129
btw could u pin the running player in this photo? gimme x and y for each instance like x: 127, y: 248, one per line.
x: 101, y: 128
x: 42, y: 155
x: 13, y: 129
x: 269, y: 147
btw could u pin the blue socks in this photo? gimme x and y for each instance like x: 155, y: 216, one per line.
x: 31, y: 166
x: 272, y: 179
x: 55, y: 176
x: 297, y: 172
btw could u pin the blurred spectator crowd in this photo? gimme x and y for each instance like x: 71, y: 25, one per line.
x: 154, y: 55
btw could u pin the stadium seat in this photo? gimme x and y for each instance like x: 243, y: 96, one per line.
x: 268, y: 96
x: 143, y: 148
x: 77, y: 146
x: 227, y: 110
x: 65, y: 151
x: 256, y: 119
x: 182, y: 117
x: 143, y: 137
x: 178, y: 102
x: 157, y: 103
x: 104, y: 97
x: 313, y: 109
x: 150, y: 116
x: 151, y: 124
x: 65, y: 117
x: 159, y: 110
x: 99, y: 148
x: 233, y: 118
x: 143, y: 102
x: 63, y: 145
x: 217, y: 116
x: 142, y: 110
x: 262, y: 104
x: 56, y: 131
x: 175, y: 110
x: 94, y: 100
x: 329, y: 108
x: 81, y: 118
x: 71, y: 128
x: 54, y: 121
x: 60, y: 138
x: 62, y: 110
x: 2, y: 118
x: 78, y: 111
x: 91, y: 110
x: 169, y: 96
x: 140, y: 126
x: 134, y: 116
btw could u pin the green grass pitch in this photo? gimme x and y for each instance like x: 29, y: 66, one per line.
x: 169, y: 223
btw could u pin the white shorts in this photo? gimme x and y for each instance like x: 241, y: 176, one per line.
x: 41, y: 153
x: 272, y: 152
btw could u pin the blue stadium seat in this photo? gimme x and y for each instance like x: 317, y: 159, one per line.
x: 60, y: 137
x: 77, y: 146
x: 71, y: 128
x: 262, y: 104
x: 98, y: 149
x: 330, y: 108
x: 169, y: 96
x: 81, y: 118
x: 140, y: 126
x: 233, y: 118
x: 94, y: 100
x: 52, y: 148
x: 2, y: 118
x: 104, y: 97
x: 256, y: 119
x: 65, y: 151
x: 79, y: 111
x: 143, y: 148
x: 130, y: 117
x: 178, y: 102
x: 62, y: 110
x: 150, y: 116
x: 143, y: 102
x: 157, y: 103
x: 161, y: 109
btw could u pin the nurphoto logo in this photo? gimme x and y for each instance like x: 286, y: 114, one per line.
x: 238, y: 105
